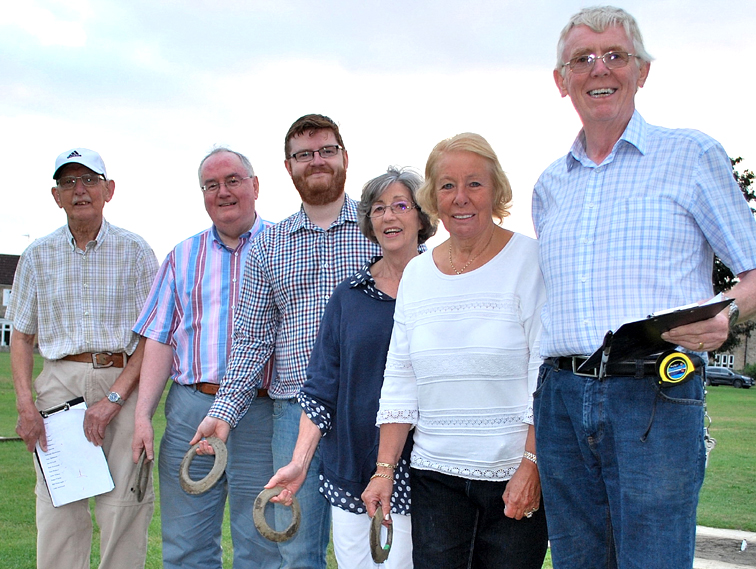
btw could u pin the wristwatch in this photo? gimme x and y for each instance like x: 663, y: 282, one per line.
x: 113, y: 397
x: 734, y: 313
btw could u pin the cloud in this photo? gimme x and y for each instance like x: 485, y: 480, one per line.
x: 50, y: 23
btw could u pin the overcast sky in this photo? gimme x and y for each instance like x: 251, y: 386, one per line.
x: 153, y: 85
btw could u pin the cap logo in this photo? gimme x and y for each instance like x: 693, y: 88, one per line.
x: 73, y: 154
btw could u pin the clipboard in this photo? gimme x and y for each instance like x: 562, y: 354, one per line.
x: 73, y: 468
x: 636, y: 340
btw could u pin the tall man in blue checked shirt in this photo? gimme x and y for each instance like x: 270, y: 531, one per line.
x: 79, y: 290
x: 290, y: 274
x: 187, y: 321
x: 628, y: 223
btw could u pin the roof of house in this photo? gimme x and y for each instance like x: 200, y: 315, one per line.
x: 8, y: 268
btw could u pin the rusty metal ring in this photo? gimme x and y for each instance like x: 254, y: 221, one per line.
x: 380, y: 554
x: 219, y: 466
x: 258, y: 516
x: 143, y: 476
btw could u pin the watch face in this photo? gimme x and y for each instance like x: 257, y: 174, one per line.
x: 113, y: 397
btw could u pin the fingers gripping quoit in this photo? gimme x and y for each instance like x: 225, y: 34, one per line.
x: 201, y: 486
x: 258, y: 516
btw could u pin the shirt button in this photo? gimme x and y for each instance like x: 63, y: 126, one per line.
x: 234, y: 280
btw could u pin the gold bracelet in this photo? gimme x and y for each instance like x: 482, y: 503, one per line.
x: 381, y: 475
x: 530, y: 456
x: 386, y: 465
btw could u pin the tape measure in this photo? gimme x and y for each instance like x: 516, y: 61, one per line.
x: 674, y: 368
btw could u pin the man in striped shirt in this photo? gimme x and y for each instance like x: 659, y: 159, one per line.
x: 187, y: 322
x: 290, y: 275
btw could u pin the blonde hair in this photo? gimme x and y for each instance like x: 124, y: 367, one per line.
x: 465, y: 142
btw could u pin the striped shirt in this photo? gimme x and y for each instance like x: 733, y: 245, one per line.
x: 82, y: 301
x: 289, y: 276
x: 192, y: 303
x: 636, y: 233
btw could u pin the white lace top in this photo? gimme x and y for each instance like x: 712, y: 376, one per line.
x: 463, y: 362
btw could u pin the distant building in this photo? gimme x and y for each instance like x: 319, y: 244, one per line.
x: 740, y: 356
x: 7, y: 270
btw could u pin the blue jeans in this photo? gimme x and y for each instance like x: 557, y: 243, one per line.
x: 307, y: 549
x: 460, y: 524
x: 192, y: 524
x: 621, y: 462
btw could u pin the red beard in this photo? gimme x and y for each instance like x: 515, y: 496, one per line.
x: 320, y: 192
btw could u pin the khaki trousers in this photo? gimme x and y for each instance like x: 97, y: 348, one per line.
x: 64, y: 534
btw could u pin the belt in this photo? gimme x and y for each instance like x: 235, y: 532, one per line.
x: 99, y: 359
x: 629, y: 368
x: 212, y: 389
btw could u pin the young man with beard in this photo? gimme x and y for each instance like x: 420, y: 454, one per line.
x: 289, y: 276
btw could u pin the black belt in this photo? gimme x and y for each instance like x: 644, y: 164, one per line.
x: 629, y: 368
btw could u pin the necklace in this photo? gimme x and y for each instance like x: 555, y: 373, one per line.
x: 471, y: 258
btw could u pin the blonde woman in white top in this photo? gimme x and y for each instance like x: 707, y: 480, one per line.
x: 461, y: 369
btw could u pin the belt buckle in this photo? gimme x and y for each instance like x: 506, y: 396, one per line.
x: 96, y: 359
x: 576, y: 364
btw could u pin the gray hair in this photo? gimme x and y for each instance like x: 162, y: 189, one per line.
x: 598, y: 18
x: 244, y: 160
x: 373, y: 189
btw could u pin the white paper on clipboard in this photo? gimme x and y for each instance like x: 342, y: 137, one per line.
x: 73, y: 467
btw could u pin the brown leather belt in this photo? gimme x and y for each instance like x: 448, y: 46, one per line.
x: 212, y: 389
x: 99, y: 359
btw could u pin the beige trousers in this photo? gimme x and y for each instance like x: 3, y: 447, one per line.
x: 64, y: 534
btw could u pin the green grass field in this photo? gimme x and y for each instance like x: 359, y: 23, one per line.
x: 727, y: 497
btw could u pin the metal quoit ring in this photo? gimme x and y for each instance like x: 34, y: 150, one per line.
x: 195, y: 487
x: 380, y: 554
x: 142, y: 476
x: 258, y: 516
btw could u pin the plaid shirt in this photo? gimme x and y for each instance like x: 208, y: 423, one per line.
x: 82, y: 301
x: 192, y: 302
x: 636, y: 233
x: 290, y: 274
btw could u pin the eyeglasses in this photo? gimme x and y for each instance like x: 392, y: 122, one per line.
x: 397, y: 208
x: 612, y: 60
x: 326, y: 152
x: 89, y: 180
x: 230, y: 183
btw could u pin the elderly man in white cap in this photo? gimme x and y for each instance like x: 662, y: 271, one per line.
x: 79, y: 290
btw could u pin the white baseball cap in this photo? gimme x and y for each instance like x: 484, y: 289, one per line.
x: 83, y: 156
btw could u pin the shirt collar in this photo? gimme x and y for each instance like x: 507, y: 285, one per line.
x: 348, y: 213
x: 243, y: 238
x: 101, y: 235
x: 363, y: 277
x: 635, y: 135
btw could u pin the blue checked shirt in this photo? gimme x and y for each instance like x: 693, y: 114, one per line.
x: 289, y: 276
x: 192, y: 302
x: 635, y: 234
